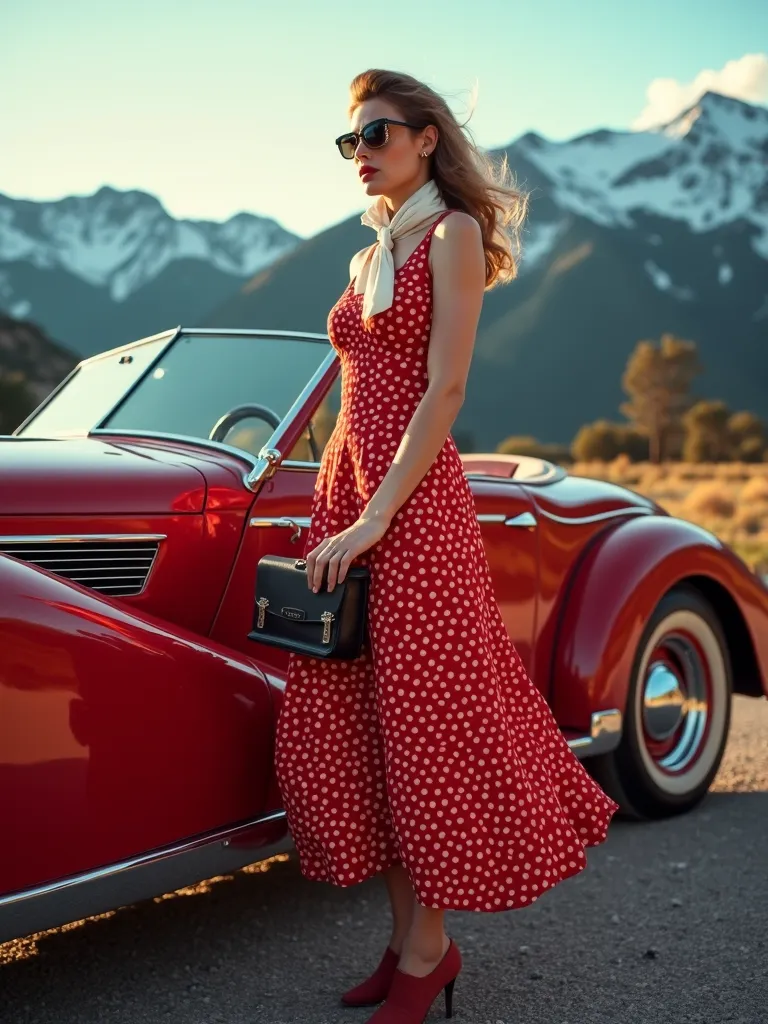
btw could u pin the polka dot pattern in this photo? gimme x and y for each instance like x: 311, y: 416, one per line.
x: 433, y: 748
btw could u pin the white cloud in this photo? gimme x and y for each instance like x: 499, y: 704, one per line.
x: 744, y: 79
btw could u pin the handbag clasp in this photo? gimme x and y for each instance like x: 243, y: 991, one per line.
x: 327, y: 618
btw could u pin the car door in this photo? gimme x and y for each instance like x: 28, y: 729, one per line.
x: 509, y: 529
x: 277, y: 524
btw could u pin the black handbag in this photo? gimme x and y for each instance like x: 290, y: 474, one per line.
x: 324, y: 625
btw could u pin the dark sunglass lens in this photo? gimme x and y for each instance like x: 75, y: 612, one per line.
x: 375, y: 134
x: 348, y: 145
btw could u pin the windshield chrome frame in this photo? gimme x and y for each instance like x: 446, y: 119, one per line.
x: 259, y: 467
x: 171, y: 335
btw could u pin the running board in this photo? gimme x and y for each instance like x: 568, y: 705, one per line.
x: 604, y: 735
x: 141, y: 877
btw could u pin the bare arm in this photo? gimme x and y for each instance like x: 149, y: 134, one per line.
x: 458, y: 283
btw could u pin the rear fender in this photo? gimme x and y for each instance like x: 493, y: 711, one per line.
x: 613, y: 593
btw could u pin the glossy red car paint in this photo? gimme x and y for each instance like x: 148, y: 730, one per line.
x: 132, y: 727
x: 121, y: 732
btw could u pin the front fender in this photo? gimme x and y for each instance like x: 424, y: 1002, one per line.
x: 613, y: 593
x: 119, y: 733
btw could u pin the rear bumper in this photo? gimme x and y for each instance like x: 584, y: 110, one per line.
x: 604, y: 734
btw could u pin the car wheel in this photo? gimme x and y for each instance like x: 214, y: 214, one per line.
x: 678, y: 712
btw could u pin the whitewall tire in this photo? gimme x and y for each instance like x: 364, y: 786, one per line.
x: 678, y: 712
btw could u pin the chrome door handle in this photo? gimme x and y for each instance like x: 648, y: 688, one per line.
x: 523, y: 519
x: 295, y: 522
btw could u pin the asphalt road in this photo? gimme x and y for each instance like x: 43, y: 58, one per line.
x: 667, y: 924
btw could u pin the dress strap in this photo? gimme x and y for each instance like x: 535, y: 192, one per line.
x: 435, y: 222
x: 428, y: 237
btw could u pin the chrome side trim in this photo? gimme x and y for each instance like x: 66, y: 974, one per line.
x: 296, y: 523
x: 604, y: 735
x: 521, y: 519
x: 598, y: 517
x: 42, y: 538
x: 147, y: 876
x: 305, y: 521
x: 223, y: 836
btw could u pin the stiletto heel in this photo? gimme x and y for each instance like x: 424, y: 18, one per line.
x: 449, y: 998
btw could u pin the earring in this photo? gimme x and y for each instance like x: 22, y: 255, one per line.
x: 423, y: 153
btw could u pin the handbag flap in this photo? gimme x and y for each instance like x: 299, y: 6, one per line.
x: 285, y: 586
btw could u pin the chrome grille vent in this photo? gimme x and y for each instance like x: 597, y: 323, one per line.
x: 115, y: 566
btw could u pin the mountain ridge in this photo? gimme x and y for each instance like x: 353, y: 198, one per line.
x: 630, y: 235
x: 594, y: 233
x: 116, y: 246
x: 25, y: 349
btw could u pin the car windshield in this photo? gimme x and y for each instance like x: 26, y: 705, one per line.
x: 185, y: 386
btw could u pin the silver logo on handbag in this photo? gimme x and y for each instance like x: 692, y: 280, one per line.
x: 293, y: 613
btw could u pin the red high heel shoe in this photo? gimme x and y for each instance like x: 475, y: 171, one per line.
x: 375, y: 988
x: 410, y: 997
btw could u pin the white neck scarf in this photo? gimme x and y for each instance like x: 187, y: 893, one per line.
x: 374, y: 266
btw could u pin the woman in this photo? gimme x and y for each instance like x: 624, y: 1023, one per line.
x: 432, y: 758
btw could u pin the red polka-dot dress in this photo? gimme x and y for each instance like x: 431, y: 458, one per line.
x: 433, y: 748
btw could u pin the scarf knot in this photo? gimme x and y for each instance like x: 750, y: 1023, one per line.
x: 373, y: 268
x: 385, y: 237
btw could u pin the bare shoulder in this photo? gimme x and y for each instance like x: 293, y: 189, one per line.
x: 459, y: 228
x: 457, y: 243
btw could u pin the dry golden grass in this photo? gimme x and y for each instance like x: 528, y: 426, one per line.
x: 728, y: 498
x: 709, y: 500
x: 755, y: 491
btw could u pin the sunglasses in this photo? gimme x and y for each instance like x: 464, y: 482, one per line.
x: 375, y: 135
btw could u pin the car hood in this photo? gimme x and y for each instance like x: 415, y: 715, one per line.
x: 73, y: 476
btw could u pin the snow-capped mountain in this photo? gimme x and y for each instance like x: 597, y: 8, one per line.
x: 111, y: 250
x: 708, y: 167
x: 705, y: 170
x: 630, y: 235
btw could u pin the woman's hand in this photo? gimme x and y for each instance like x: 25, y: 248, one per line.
x: 338, y: 551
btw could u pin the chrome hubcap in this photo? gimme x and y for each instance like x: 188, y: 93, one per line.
x: 676, y: 704
x: 663, y: 702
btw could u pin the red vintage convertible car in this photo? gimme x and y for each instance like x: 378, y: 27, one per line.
x: 137, y: 716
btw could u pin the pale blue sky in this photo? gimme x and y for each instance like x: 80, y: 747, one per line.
x: 230, y: 105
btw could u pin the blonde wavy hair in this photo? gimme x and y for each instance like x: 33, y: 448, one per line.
x: 467, y: 179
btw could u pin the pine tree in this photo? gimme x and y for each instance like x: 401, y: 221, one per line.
x: 658, y: 381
